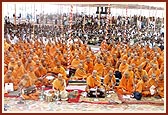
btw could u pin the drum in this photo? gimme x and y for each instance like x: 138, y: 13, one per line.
x: 45, y: 93
x: 29, y: 90
x: 100, y: 92
x: 73, y: 94
x: 49, y: 97
x: 64, y: 95
x: 56, y: 96
x: 92, y: 92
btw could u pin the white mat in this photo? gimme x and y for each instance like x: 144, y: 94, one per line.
x: 76, y: 87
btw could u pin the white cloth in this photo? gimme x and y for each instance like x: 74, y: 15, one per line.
x: 152, y: 90
x: 8, y: 87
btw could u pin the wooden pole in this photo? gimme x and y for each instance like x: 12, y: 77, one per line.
x: 125, y: 33
x: 155, y: 19
x: 69, y: 39
x: 149, y: 17
x: 107, y: 21
x: 99, y: 19
x: 34, y: 14
x: 15, y: 16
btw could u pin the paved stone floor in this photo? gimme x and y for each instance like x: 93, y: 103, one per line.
x: 43, y: 106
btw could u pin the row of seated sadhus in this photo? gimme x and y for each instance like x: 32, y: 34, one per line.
x: 130, y: 81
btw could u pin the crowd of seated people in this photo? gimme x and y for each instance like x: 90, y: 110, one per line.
x: 33, y: 54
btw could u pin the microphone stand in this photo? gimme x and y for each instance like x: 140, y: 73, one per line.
x: 42, y: 93
x: 96, y: 92
x: 20, y: 98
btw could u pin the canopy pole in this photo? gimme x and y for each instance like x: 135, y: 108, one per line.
x: 70, y: 37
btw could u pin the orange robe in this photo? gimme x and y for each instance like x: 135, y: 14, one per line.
x: 131, y: 73
x: 8, y: 80
x: 106, y: 70
x: 51, y: 51
x: 90, y: 67
x: 20, y: 71
x: 32, y: 76
x: 154, y: 62
x: 124, y: 57
x: 60, y: 57
x: 16, y: 79
x: 82, y: 56
x: 93, y: 82
x: 152, y: 82
x: 5, y: 69
x: 53, y: 64
x: 162, y: 68
x: 129, y: 60
x: 148, y: 67
x: 156, y: 72
x: 80, y: 74
x: 13, y: 54
x: 59, y: 84
x: 139, y: 75
x: 13, y: 80
x: 160, y: 61
x: 6, y: 46
x: 126, y: 86
x: 93, y: 57
x: 160, y: 88
x: 99, y: 68
x: 123, y: 67
x: 32, y: 96
x: 40, y: 73
x: 64, y: 63
x: 136, y: 62
x: 109, y: 83
x: 28, y: 65
x: 104, y: 46
x: 109, y: 59
x: 36, y: 66
x: 60, y: 70
x: 143, y: 87
x: 75, y: 63
x: 48, y: 60
x: 142, y: 59
x: 12, y: 65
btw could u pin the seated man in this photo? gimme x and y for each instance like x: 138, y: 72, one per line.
x: 74, y: 65
x: 94, y: 85
x: 80, y: 73
x: 40, y: 71
x: 126, y: 85
x: 59, y: 84
x: 139, y: 74
x: 89, y: 63
x: 109, y: 81
x: 160, y: 86
x: 99, y: 67
x: 60, y: 69
x: 106, y: 69
x: 152, y: 84
x: 8, y: 78
x: 143, y: 87
x: 26, y: 82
